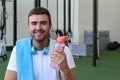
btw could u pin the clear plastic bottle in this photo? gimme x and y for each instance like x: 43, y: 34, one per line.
x: 60, y: 43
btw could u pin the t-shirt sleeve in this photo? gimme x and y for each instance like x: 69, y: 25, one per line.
x: 70, y: 59
x: 12, y: 61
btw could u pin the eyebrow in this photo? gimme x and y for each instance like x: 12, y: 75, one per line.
x: 41, y: 22
x: 38, y: 21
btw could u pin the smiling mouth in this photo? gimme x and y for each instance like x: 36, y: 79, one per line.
x: 39, y: 32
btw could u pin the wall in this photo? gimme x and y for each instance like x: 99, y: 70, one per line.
x: 109, y: 17
x: 82, y: 18
x: 85, y: 17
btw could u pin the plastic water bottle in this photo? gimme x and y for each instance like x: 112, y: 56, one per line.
x: 60, y: 44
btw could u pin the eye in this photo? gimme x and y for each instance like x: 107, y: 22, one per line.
x: 33, y: 23
x: 44, y: 22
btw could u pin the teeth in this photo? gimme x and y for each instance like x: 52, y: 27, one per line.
x: 39, y: 32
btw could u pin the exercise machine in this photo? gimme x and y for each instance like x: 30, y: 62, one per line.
x: 3, y: 17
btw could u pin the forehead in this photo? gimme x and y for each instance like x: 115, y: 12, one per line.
x: 40, y: 17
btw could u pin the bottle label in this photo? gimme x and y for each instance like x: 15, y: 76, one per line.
x: 60, y: 45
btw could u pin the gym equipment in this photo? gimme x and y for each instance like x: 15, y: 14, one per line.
x: 37, y: 3
x: 47, y: 4
x: 113, y: 45
x: 58, y: 30
x: 69, y: 32
x: 14, y: 21
x: 95, y: 32
x: 3, y: 52
x: 64, y: 16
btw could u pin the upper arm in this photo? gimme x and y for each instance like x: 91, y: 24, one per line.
x: 11, y: 68
x: 10, y: 75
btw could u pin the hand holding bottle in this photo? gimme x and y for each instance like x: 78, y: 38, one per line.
x: 57, y: 55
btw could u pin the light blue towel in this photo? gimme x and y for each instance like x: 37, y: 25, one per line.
x: 24, y: 59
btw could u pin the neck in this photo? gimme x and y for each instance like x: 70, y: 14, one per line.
x: 40, y: 45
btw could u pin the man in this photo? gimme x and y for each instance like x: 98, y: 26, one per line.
x: 31, y: 57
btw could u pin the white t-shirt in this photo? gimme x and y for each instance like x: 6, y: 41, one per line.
x: 41, y: 63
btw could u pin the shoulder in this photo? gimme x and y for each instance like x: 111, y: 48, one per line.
x: 24, y: 39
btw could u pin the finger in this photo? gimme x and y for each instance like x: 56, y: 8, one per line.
x: 58, y: 49
x: 55, y: 55
x: 57, y: 59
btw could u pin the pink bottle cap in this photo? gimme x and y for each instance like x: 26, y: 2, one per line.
x: 61, y: 39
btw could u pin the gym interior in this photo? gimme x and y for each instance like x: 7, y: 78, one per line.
x: 92, y: 27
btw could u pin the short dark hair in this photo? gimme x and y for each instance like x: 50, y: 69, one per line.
x: 40, y: 10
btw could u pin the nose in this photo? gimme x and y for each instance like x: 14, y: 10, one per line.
x: 38, y: 26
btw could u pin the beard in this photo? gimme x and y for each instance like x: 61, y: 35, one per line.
x: 39, y: 35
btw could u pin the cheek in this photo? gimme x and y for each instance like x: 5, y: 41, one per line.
x: 46, y: 29
x: 30, y: 28
x: 49, y: 29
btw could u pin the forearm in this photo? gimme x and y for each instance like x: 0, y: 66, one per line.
x: 67, y: 74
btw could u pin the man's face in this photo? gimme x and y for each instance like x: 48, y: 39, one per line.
x: 39, y: 27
